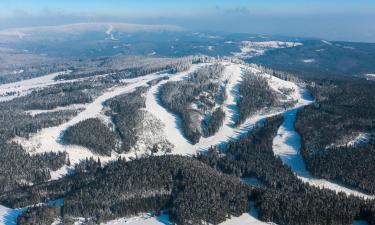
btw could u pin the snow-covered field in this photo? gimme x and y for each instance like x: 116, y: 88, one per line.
x: 252, y: 48
x: 245, y: 219
x: 21, y: 88
x: 287, y: 146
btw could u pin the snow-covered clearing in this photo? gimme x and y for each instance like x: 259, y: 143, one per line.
x: 21, y: 88
x: 256, y: 48
x: 309, y: 60
x: 145, y: 219
x: 287, y: 145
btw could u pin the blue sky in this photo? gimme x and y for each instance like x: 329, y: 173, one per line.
x: 331, y: 19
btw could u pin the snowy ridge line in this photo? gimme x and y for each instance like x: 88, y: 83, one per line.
x: 287, y: 145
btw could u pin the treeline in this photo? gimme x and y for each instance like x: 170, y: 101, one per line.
x: 194, y: 98
x: 193, y: 192
x: 125, y: 111
x: 344, y: 108
x: 93, y: 134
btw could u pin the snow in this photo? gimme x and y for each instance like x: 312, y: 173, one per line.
x: 309, y: 60
x: 152, y: 53
x: 63, y: 171
x: 370, y: 76
x: 26, y: 86
x: 9, y: 216
x: 287, y: 145
x: 18, y: 71
x: 251, y: 48
x: 326, y: 42
x: 144, y: 219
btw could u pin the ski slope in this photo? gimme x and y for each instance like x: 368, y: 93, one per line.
x: 21, y: 88
x: 49, y: 139
x: 287, y: 145
x: 228, y: 131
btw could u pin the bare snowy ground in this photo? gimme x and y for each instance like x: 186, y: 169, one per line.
x: 251, y: 48
x: 21, y: 88
x: 287, y: 145
x: 145, y: 219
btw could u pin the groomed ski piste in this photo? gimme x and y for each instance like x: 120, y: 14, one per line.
x: 285, y: 145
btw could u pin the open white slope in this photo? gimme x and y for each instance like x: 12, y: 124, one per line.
x: 287, y: 145
x: 21, y: 88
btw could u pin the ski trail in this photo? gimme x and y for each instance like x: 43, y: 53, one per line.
x: 49, y: 139
x: 287, y: 145
x: 228, y: 131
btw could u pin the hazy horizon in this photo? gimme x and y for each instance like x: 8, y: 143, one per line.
x: 346, y: 20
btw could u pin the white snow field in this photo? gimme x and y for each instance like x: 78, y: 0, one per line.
x: 9, y: 216
x: 21, y: 88
x: 145, y: 219
x: 257, y: 48
x: 287, y: 145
